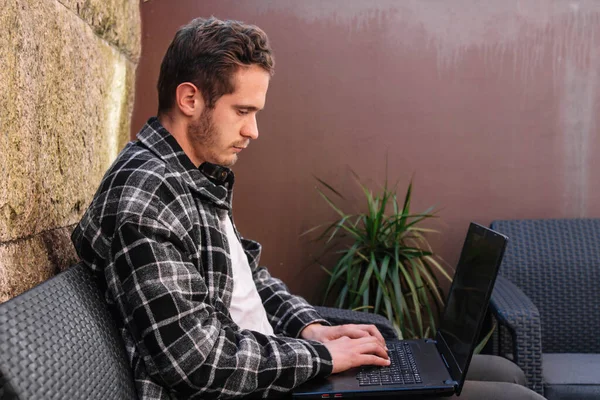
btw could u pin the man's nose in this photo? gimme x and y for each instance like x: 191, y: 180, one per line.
x: 250, y: 128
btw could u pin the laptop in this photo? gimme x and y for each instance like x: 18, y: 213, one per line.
x: 430, y: 366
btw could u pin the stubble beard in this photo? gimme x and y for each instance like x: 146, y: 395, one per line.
x: 204, y: 134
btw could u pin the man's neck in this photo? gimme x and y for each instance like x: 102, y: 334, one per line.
x: 178, y: 129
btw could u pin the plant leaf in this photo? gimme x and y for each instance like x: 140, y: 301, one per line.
x: 438, y: 267
x: 406, y: 205
x: 414, y: 295
x: 362, y: 308
x: 339, y: 224
x: 367, y: 277
x: 314, y: 228
x: 430, y: 280
x: 487, y: 337
x: 322, y: 182
x: 418, y: 269
x: 331, y: 203
x: 380, y: 274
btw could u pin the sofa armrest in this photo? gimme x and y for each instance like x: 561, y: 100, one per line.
x: 338, y: 316
x: 515, y: 311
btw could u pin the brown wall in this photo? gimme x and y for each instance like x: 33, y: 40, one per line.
x: 493, y: 106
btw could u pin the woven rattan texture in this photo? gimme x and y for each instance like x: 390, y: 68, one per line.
x: 520, y: 322
x: 58, y: 341
x: 557, y: 265
x: 338, y: 316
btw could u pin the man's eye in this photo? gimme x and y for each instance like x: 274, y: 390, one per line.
x: 243, y: 112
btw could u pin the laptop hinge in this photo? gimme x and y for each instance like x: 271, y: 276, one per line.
x: 448, y: 381
x: 446, y: 354
x: 451, y: 382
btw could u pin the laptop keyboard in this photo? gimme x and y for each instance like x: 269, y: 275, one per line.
x: 402, y: 370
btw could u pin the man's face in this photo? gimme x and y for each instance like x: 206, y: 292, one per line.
x: 218, y: 135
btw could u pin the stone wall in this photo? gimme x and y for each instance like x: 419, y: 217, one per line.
x: 67, y: 71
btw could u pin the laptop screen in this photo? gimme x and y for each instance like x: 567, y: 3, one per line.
x: 469, y: 295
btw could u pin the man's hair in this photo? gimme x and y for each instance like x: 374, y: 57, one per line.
x: 207, y: 53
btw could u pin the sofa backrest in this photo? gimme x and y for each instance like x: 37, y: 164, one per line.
x: 556, y: 262
x: 59, y: 341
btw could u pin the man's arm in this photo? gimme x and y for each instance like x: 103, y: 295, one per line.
x: 349, y: 345
x: 292, y: 315
x: 181, y: 337
x: 287, y: 313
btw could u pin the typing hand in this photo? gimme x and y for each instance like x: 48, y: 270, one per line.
x: 348, y: 353
x: 324, y: 334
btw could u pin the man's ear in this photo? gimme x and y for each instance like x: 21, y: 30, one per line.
x: 188, y: 99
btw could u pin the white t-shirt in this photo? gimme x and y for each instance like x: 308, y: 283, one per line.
x: 246, y: 308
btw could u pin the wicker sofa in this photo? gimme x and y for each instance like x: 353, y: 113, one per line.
x: 547, y: 302
x: 59, y: 341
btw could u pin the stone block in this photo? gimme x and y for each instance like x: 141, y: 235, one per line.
x: 65, y: 104
x: 27, y: 262
x: 116, y: 21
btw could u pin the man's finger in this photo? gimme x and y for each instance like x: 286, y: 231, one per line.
x: 353, y: 331
x: 368, y: 359
x: 358, y: 331
x: 373, y: 331
x: 373, y: 348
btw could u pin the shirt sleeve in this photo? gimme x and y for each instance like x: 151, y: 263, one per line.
x: 186, y: 345
x: 288, y: 314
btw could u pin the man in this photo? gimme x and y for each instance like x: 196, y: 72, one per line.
x: 160, y: 232
x: 199, y: 317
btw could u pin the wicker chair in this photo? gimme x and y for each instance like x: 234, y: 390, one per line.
x: 59, y: 341
x: 547, y: 303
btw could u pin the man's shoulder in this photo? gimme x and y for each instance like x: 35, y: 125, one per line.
x: 137, y: 183
x: 135, y: 161
x: 139, y: 168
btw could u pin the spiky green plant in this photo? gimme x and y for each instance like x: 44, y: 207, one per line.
x: 386, y: 264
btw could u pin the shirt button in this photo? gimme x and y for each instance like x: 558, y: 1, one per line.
x: 223, y: 175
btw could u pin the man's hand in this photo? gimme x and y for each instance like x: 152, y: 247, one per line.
x: 324, y: 334
x: 348, y: 353
x: 350, y: 345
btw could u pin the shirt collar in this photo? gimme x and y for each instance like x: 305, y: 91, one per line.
x: 209, y: 180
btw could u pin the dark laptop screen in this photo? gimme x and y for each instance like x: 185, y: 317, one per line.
x: 470, y: 291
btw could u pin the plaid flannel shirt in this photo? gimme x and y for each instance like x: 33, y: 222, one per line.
x: 152, y: 232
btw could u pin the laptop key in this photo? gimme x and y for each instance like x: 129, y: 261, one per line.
x: 402, y: 370
x: 368, y: 383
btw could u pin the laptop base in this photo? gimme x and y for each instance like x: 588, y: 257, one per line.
x: 435, y: 377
